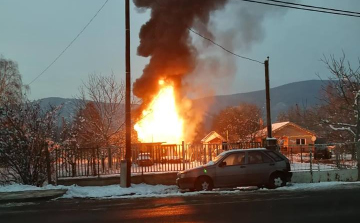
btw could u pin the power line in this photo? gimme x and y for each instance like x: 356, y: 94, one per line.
x: 246, y: 58
x: 67, y: 47
x: 315, y: 7
x: 300, y: 8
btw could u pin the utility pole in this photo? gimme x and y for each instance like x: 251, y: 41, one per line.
x: 267, y: 89
x: 270, y: 142
x: 357, y: 144
x: 125, y: 180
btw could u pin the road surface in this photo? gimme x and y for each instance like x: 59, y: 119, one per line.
x: 340, y: 204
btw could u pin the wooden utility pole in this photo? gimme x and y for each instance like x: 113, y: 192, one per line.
x: 267, y: 89
x: 270, y: 142
x: 127, y: 96
x: 357, y: 143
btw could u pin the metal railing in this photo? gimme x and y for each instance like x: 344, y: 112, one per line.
x: 155, y: 158
x: 146, y: 158
x: 321, y: 157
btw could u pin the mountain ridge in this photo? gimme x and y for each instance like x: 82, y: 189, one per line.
x: 304, y: 93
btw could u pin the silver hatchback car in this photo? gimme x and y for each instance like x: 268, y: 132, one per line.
x: 251, y: 167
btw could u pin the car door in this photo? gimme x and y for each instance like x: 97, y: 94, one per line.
x: 259, y: 168
x: 233, y: 172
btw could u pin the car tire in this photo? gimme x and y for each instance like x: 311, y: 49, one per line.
x: 204, y: 184
x: 276, y: 180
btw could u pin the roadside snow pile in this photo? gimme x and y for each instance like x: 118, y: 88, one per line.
x: 115, y: 191
x: 144, y: 190
x: 20, y: 187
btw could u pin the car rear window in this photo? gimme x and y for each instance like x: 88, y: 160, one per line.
x: 273, y: 155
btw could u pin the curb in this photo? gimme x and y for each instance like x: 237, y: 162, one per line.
x: 31, y: 195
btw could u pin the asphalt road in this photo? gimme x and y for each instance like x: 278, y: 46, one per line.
x: 341, y: 204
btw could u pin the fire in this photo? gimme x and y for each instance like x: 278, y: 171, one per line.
x: 161, y: 122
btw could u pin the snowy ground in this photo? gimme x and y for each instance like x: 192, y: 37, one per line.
x: 144, y: 190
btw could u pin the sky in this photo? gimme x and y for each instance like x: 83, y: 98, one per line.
x: 33, y: 33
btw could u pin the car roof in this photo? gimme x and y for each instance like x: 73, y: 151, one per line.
x: 239, y: 150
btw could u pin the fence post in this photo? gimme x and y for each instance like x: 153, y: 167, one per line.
x: 204, y: 156
x: 56, y: 166
x: 48, y: 165
x: 93, y: 162
x: 210, y: 152
x: 311, y: 172
x: 98, y: 166
x: 183, y: 154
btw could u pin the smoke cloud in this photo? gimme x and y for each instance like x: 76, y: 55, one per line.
x: 165, y: 39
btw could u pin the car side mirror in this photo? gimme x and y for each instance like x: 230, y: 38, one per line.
x: 222, y: 164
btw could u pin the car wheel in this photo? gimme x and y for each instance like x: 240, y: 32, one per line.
x: 275, y: 181
x: 204, y: 184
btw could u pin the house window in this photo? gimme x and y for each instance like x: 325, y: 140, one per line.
x: 300, y: 141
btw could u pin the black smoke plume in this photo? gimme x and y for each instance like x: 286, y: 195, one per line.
x: 165, y: 38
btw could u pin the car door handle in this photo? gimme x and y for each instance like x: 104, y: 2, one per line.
x: 242, y: 166
x: 272, y: 164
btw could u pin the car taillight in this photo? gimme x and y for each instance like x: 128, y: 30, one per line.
x: 288, y: 166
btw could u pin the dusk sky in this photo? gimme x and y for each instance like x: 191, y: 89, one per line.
x: 33, y: 33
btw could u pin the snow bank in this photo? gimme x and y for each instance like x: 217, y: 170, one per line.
x: 144, y: 190
x: 20, y: 187
x: 115, y: 191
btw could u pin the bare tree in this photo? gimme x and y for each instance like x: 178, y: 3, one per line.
x: 238, y: 123
x: 307, y: 117
x: 100, y: 116
x: 341, y: 111
x: 11, y: 86
x: 26, y: 134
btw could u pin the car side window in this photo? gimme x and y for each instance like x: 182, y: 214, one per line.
x: 254, y: 157
x: 258, y: 157
x: 274, y: 156
x: 235, y: 159
x: 240, y: 158
x: 266, y: 159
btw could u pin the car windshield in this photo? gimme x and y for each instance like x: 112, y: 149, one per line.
x: 216, y: 159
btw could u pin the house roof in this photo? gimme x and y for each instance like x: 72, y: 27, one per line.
x: 212, y: 135
x: 280, y: 125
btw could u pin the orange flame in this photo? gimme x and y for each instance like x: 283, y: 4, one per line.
x: 160, y: 122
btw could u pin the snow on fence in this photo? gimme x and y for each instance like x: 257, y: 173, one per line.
x: 157, y: 157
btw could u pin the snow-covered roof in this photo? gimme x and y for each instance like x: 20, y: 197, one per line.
x: 212, y: 135
x: 278, y: 126
x: 274, y: 127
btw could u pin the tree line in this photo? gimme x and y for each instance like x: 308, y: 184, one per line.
x: 29, y: 133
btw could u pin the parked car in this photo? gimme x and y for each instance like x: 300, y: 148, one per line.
x: 144, y: 159
x: 322, y: 152
x: 171, y: 159
x: 251, y: 167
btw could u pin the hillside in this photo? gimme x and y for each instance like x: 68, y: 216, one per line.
x: 67, y: 105
x: 305, y: 93
x: 282, y: 97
